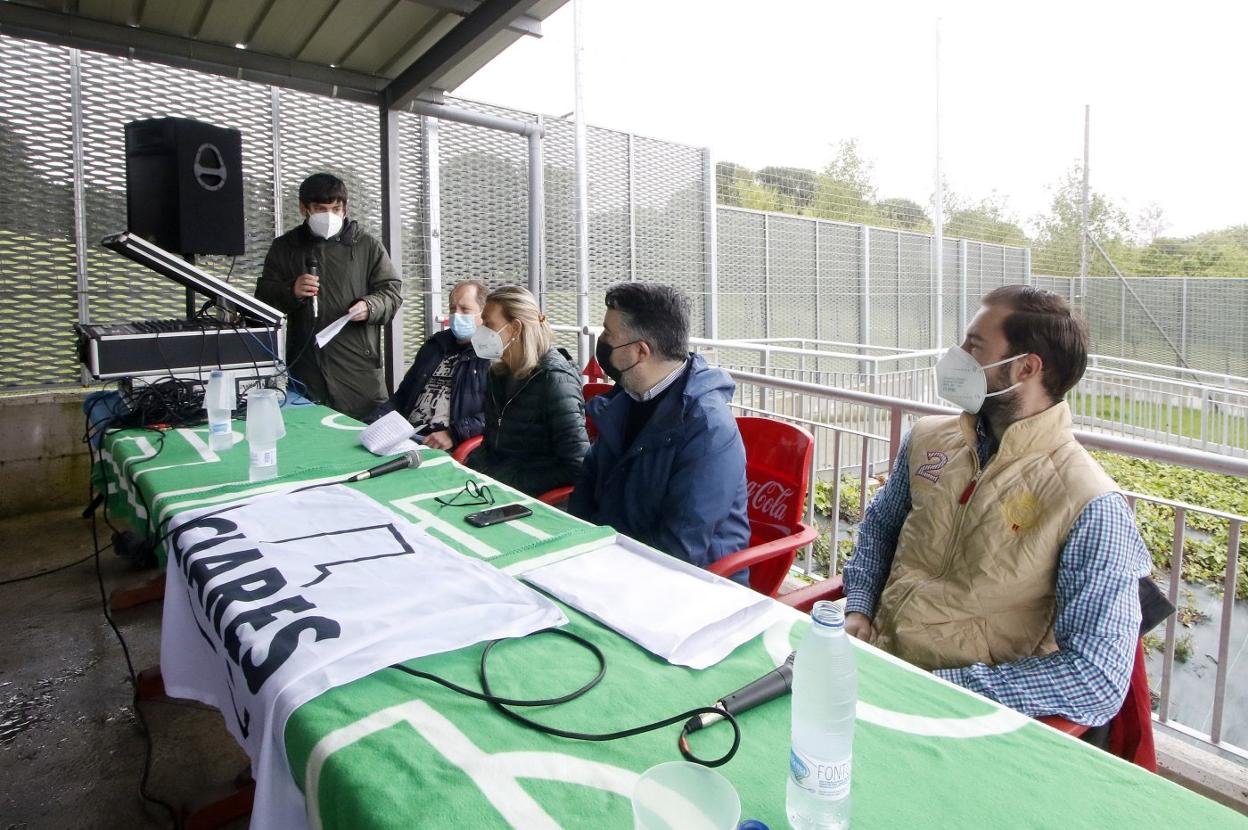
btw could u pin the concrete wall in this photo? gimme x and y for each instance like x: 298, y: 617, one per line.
x: 43, y: 461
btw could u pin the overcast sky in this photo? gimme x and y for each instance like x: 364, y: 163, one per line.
x: 781, y: 82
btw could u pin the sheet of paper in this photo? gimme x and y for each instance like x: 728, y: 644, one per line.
x: 388, y: 435
x: 684, y: 614
x: 331, y: 331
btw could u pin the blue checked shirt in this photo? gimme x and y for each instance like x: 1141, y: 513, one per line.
x: 1098, y: 605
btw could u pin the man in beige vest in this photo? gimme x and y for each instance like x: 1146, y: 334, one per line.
x: 999, y: 555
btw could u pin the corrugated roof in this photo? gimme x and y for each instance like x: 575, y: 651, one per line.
x: 383, y: 51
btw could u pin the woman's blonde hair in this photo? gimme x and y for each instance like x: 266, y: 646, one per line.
x: 535, y: 337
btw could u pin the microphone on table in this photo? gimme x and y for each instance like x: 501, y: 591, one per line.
x: 407, y: 460
x: 314, y: 268
x: 773, y: 684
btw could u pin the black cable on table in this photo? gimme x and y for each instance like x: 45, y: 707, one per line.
x: 501, y: 704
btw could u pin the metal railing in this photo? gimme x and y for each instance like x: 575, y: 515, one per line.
x: 752, y: 387
x: 858, y: 431
x: 1166, y: 404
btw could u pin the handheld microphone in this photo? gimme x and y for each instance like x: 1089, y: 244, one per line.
x: 409, y: 459
x: 773, y: 684
x: 314, y: 268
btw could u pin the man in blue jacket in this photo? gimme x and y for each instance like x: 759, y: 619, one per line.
x: 668, y: 468
x: 443, y: 393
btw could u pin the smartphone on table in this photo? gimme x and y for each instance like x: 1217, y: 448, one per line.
x: 496, y: 515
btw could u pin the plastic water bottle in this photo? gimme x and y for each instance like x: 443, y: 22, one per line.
x: 219, y: 401
x: 264, y: 428
x: 825, y: 693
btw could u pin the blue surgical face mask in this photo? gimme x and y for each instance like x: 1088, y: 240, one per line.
x: 463, y: 325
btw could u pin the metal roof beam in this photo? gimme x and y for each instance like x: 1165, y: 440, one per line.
x: 80, y: 33
x: 522, y: 25
x: 469, y: 35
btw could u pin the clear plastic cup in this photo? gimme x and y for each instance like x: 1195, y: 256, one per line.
x: 264, y: 427
x: 680, y: 795
x: 264, y: 418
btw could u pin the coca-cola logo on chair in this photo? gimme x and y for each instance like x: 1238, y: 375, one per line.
x: 771, y: 498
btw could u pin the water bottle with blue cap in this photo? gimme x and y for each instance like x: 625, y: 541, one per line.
x: 825, y: 694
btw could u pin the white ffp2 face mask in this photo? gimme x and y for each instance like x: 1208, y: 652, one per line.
x: 488, y: 344
x: 963, y: 382
x: 324, y: 224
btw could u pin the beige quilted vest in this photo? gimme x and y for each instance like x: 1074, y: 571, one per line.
x: 974, y: 575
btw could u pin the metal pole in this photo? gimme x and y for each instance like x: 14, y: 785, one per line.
x: 1083, y: 209
x: 938, y: 237
x: 864, y: 291
x: 1183, y: 321
x: 582, y: 187
x: 1027, y: 279
x: 962, y: 287
x: 433, y: 196
x: 392, y: 235
x: 766, y: 275
x: 632, y: 215
x: 80, y: 190
x: 710, y: 241
x: 275, y: 110
x: 818, y: 292
x: 537, y: 221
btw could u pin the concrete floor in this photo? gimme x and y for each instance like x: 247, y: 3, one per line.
x: 71, y: 753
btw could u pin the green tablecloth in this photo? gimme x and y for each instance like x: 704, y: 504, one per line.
x: 390, y: 750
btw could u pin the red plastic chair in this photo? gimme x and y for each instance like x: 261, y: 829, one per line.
x: 777, y: 471
x: 1130, y: 731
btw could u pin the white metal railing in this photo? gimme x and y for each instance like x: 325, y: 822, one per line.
x: 1167, y: 404
x: 858, y: 431
x: 895, y: 413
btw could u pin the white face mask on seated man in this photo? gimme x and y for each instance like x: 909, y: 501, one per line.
x: 962, y: 381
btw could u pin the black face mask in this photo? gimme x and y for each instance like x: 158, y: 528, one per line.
x: 602, y: 352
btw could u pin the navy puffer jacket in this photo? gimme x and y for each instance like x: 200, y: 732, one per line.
x: 680, y: 486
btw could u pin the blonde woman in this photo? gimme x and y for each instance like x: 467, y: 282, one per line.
x: 534, y: 411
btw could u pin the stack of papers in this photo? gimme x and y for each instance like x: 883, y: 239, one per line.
x: 389, y: 435
x: 675, y: 610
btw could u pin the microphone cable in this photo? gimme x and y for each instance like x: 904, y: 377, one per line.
x: 502, y: 703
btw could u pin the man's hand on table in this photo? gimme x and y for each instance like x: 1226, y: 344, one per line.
x: 859, y: 625
x: 440, y: 440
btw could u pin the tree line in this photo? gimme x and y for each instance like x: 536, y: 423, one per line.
x: 844, y: 191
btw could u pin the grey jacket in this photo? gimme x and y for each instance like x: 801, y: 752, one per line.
x: 346, y: 374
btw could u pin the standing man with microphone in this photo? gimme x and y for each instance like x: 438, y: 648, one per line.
x: 319, y: 271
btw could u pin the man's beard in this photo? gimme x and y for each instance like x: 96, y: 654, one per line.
x: 1001, y: 410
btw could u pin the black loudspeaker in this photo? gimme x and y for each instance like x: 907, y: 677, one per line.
x: 184, y: 185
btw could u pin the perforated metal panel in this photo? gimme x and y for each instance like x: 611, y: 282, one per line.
x: 840, y: 269
x: 669, y: 218
x: 742, y: 267
x: 791, y: 301
x: 914, y: 291
x: 38, y: 275
x: 484, y: 202
x: 414, y: 213
x: 884, y: 288
x: 1216, y: 323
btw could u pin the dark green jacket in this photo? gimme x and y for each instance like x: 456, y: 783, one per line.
x: 535, y: 436
x: 346, y: 375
